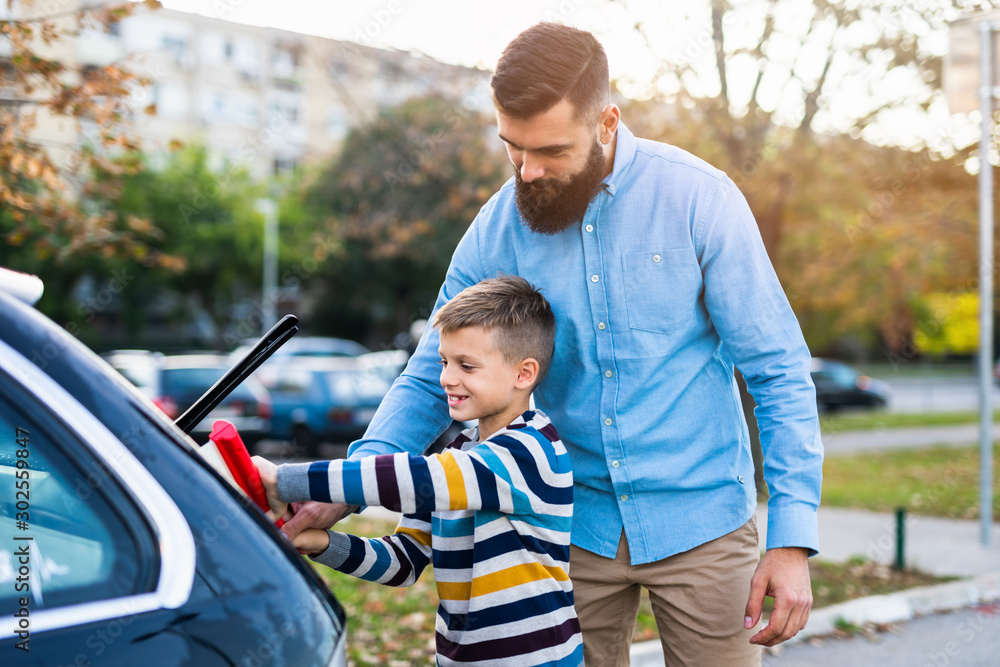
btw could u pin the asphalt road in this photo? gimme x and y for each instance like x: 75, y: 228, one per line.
x: 930, y: 394
x: 968, y: 637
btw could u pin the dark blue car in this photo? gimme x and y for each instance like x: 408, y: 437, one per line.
x: 316, y: 400
x: 119, y: 545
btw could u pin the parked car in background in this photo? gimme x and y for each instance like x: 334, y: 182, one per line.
x: 317, y: 400
x: 306, y: 346
x: 840, y: 386
x: 175, y: 382
x: 389, y: 364
x: 138, y: 552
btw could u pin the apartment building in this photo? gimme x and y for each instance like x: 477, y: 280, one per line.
x: 267, y: 99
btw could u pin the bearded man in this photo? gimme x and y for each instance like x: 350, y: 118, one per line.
x: 660, y: 285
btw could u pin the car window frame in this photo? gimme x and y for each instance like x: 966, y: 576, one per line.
x: 174, y: 538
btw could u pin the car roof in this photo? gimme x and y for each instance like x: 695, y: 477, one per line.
x: 318, y: 364
x: 305, y: 345
x: 178, y: 361
x: 25, y: 287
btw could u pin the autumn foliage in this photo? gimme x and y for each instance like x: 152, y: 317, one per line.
x: 48, y: 179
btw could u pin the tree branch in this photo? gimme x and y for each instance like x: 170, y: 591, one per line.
x: 718, y: 11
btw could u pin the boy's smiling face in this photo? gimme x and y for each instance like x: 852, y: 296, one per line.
x: 479, y: 383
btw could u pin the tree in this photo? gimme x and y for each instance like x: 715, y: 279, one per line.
x: 202, y: 255
x: 45, y: 185
x: 795, y: 99
x: 398, y: 197
x: 761, y: 76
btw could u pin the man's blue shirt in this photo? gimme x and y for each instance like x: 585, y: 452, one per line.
x: 657, y: 293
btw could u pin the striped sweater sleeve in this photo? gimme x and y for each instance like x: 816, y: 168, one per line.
x: 393, y: 560
x: 513, y: 473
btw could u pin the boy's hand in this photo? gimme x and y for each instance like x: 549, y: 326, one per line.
x: 269, y: 479
x: 312, y: 541
x: 313, y: 514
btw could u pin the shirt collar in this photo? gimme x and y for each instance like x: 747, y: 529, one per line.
x: 624, y: 153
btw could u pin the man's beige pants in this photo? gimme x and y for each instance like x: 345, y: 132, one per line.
x: 699, y: 600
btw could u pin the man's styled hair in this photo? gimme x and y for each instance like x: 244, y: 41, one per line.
x: 518, y: 317
x: 549, y: 62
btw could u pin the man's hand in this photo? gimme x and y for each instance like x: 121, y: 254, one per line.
x: 784, y: 575
x: 269, y: 480
x: 313, y: 515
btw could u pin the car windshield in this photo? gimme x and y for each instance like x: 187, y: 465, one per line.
x: 186, y: 382
x: 364, y: 385
x: 841, y: 374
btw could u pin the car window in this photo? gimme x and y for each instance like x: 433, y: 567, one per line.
x: 189, y: 380
x: 193, y: 382
x: 140, y: 376
x: 68, y: 533
x: 286, y: 381
x: 361, y: 384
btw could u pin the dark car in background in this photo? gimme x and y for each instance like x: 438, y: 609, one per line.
x: 840, y: 386
x: 175, y: 382
x: 137, y: 551
x: 306, y: 346
x: 389, y: 364
x: 318, y: 400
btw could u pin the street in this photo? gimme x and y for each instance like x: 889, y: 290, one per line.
x: 968, y: 637
x: 936, y: 394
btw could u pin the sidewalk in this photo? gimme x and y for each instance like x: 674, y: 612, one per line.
x: 939, y: 546
x: 957, y: 435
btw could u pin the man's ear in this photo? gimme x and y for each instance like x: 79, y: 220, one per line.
x: 527, y: 373
x: 608, y: 125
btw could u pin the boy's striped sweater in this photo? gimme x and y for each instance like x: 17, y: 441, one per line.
x: 495, y: 519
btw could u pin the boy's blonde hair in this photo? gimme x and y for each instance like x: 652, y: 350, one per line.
x: 513, y: 311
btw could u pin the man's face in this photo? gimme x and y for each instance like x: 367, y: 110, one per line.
x: 559, y: 164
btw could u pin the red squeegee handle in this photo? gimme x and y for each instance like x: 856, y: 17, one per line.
x: 230, y: 445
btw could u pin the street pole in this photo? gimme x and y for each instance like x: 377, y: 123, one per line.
x: 269, y: 292
x: 985, y: 282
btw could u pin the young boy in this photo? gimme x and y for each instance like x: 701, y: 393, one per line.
x: 493, y: 511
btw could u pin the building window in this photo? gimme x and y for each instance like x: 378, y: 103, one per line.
x: 284, y: 165
x: 337, y: 123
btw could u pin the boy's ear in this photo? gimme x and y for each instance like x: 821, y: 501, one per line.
x: 527, y: 373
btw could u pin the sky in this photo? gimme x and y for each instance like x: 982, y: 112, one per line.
x: 464, y: 32
x: 474, y: 33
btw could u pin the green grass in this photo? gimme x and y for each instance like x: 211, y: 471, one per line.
x: 936, y: 481
x: 395, y: 626
x: 836, y: 422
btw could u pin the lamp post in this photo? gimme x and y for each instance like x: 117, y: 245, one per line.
x: 969, y: 71
x: 986, y: 93
x: 269, y: 291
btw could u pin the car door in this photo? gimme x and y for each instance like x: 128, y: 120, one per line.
x: 93, y: 563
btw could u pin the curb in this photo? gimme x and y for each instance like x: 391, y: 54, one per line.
x: 890, y: 608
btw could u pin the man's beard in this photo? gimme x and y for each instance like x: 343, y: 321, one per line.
x: 549, y: 207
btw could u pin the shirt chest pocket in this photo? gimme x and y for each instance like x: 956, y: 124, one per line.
x: 661, y: 289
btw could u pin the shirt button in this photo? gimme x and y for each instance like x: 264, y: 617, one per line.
x: 742, y: 479
x: 611, y: 187
x: 656, y: 258
x: 609, y: 422
x: 594, y: 278
x: 608, y: 373
x: 624, y: 498
x: 615, y: 464
x: 589, y: 228
x: 600, y: 325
